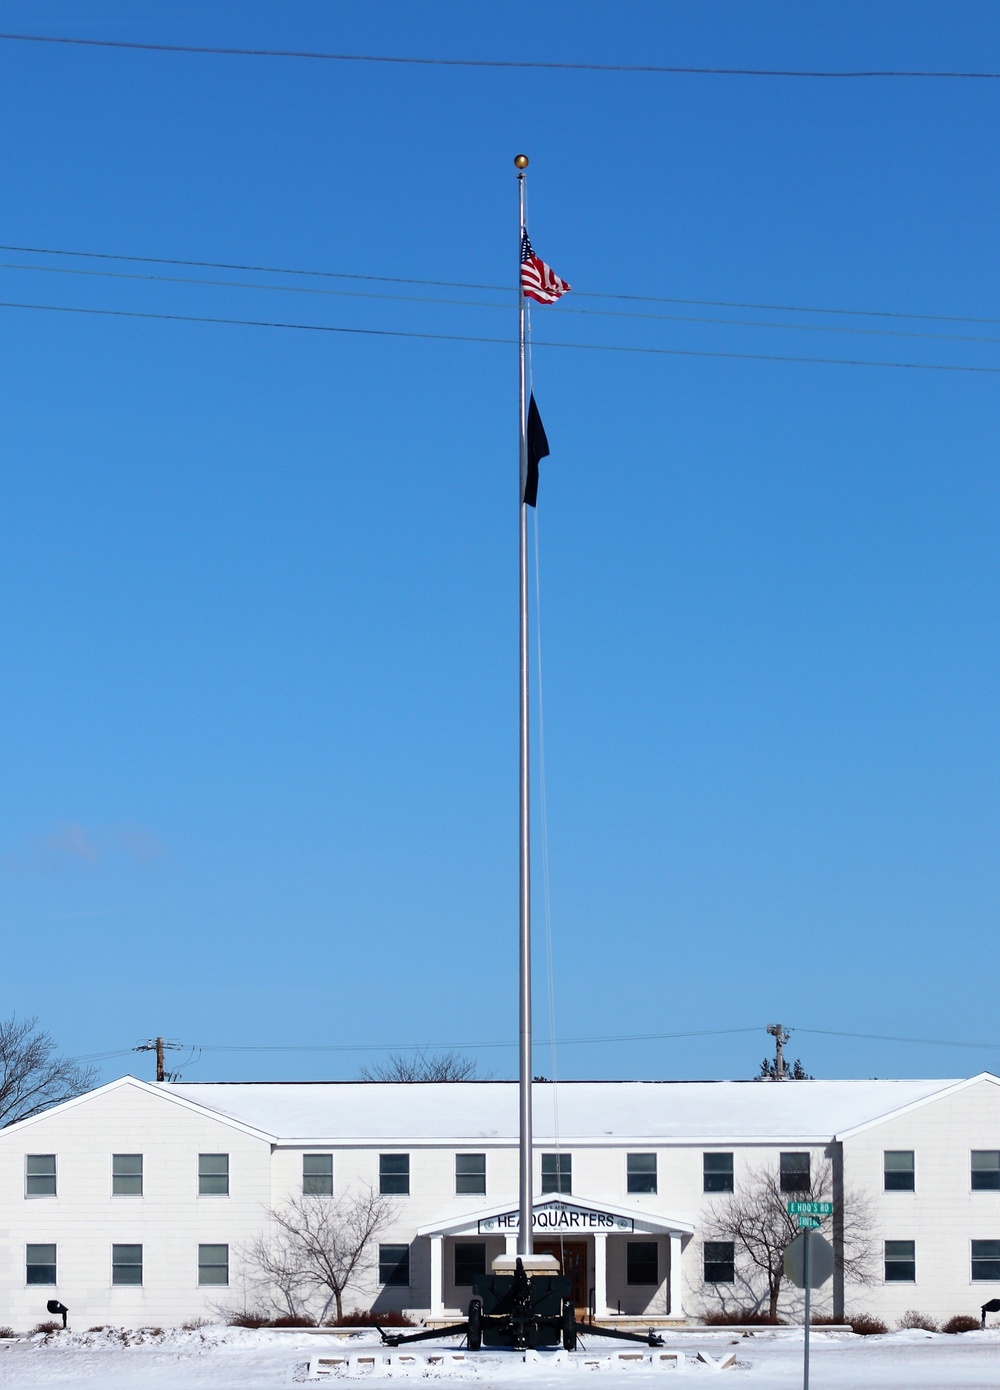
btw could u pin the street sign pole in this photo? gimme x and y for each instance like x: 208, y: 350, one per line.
x: 808, y: 1260
x: 805, y: 1341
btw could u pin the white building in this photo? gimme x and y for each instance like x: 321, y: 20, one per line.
x: 133, y: 1204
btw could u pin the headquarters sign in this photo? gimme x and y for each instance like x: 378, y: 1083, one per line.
x: 560, y: 1217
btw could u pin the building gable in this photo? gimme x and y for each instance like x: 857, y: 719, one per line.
x: 948, y: 1090
x: 147, y: 1090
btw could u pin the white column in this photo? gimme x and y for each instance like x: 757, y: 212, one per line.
x: 676, y: 1297
x: 510, y: 1244
x: 437, y: 1278
x: 600, y: 1275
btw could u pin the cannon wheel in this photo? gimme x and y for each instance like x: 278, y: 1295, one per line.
x: 475, y: 1333
x: 569, y: 1325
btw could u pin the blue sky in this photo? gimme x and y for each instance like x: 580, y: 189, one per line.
x: 258, y: 587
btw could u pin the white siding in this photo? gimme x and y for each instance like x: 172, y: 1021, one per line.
x: 942, y: 1216
x: 171, y: 1219
x: 84, y: 1220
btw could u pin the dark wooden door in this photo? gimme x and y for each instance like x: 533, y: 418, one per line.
x: 572, y: 1257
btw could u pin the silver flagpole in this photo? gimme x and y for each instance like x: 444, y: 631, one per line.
x: 525, y: 1245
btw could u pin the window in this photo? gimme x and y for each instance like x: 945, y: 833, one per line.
x: 39, y: 1175
x: 394, y: 1176
x: 985, y: 1260
x: 317, y: 1175
x: 470, y: 1174
x: 985, y: 1170
x: 126, y: 1264
x: 557, y: 1173
x: 720, y: 1262
x: 40, y: 1264
x: 900, y: 1261
x: 717, y: 1172
x: 126, y: 1175
x: 794, y: 1172
x: 213, y: 1264
x: 641, y: 1265
x: 898, y: 1170
x: 641, y: 1172
x: 213, y: 1175
x: 470, y: 1262
x: 394, y: 1264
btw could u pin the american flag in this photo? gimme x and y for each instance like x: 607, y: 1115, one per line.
x: 538, y: 280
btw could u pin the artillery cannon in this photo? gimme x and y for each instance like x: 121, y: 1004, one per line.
x: 520, y: 1310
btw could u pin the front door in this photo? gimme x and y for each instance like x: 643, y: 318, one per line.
x: 572, y: 1257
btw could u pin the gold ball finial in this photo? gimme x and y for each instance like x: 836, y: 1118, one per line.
x: 520, y: 161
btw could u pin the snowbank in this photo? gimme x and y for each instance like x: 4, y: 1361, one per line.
x: 229, y: 1358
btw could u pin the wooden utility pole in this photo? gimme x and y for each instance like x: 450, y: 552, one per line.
x: 159, y: 1046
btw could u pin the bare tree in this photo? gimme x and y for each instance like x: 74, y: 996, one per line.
x: 440, y: 1066
x: 317, y: 1246
x: 755, y: 1219
x: 273, y: 1270
x: 32, y: 1076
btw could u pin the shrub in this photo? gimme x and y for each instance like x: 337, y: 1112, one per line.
x: 194, y: 1324
x: 865, y: 1325
x: 742, y: 1317
x: 919, y: 1322
x: 7, y: 1332
x: 292, y: 1320
x: 246, y: 1319
x: 367, y: 1317
x: 99, y: 1328
x: 46, y: 1327
x: 961, y: 1322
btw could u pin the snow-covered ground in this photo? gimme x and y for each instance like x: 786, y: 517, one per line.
x: 220, y: 1358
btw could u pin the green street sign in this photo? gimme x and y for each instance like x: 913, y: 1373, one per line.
x: 811, y: 1223
x: 810, y: 1208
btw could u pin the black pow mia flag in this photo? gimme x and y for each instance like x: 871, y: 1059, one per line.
x: 538, y: 448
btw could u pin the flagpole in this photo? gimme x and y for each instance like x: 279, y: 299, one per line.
x: 525, y: 1245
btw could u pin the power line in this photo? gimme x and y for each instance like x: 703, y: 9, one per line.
x: 460, y: 1047
x: 885, y: 1037
x: 653, y: 69
x: 562, y: 1042
x: 500, y: 289
x: 261, y: 269
x: 491, y: 304
x: 504, y: 342
x: 104, y: 1056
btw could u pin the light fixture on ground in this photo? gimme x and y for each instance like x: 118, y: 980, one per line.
x: 60, y: 1309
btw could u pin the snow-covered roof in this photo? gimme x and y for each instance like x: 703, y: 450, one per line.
x: 588, y: 1111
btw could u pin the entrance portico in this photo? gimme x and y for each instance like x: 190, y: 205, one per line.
x: 606, y: 1232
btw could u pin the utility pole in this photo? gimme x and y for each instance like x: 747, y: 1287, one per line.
x: 780, y: 1036
x: 159, y: 1046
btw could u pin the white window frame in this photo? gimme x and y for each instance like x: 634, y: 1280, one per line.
x: 133, y: 1245
x: 228, y: 1175
x: 141, y: 1175
x: 323, y: 1153
x: 213, y: 1245
x: 654, y: 1173
x: 993, y: 1240
x: 42, y: 1196
x: 972, y: 1188
x: 564, y: 1172
x: 55, y: 1262
x: 470, y: 1192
